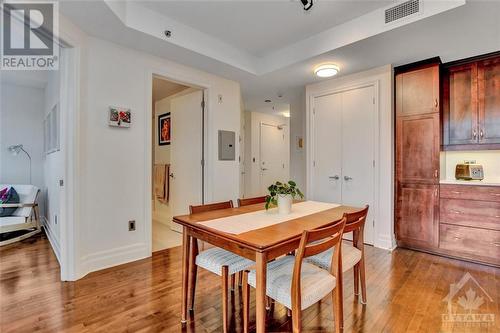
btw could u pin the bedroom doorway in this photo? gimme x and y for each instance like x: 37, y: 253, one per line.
x: 177, y: 155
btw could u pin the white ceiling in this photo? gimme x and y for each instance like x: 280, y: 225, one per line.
x: 465, y: 31
x: 261, y: 27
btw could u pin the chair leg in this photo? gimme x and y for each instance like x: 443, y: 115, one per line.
x: 268, y: 303
x: 193, y: 272
x: 240, y: 277
x: 356, y: 279
x: 232, y: 282
x: 338, y: 300
x: 246, y: 301
x: 224, y: 297
x: 296, y: 320
x: 362, y: 279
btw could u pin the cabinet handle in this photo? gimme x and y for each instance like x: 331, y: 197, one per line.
x: 457, y: 238
x: 474, y: 134
x: 498, y: 216
x: 481, y: 133
x: 336, y: 177
x: 436, y: 193
x: 436, y: 174
x: 456, y: 212
x: 497, y: 244
x: 436, y: 103
x: 495, y: 194
x: 456, y: 192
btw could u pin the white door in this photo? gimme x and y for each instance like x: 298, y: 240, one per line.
x: 358, y: 124
x: 186, y: 153
x: 327, y: 166
x: 343, y: 147
x: 273, y: 166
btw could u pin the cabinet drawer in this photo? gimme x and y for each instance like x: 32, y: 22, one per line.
x: 472, y: 213
x: 471, y: 192
x: 478, y: 244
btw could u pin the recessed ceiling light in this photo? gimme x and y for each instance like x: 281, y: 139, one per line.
x: 267, y: 101
x: 326, y: 70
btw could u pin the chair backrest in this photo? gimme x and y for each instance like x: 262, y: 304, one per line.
x: 251, y: 201
x: 356, y: 223
x: 210, y: 207
x: 27, y: 195
x: 313, y: 242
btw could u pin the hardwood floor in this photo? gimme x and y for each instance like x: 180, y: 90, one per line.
x: 405, y: 294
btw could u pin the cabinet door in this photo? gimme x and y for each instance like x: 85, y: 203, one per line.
x: 417, y: 215
x: 460, y: 106
x: 417, y: 92
x: 417, y: 149
x: 489, y: 100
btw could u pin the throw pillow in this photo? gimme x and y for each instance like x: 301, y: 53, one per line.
x: 11, y: 197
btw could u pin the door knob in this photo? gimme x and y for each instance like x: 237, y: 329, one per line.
x: 346, y: 178
x: 336, y: 177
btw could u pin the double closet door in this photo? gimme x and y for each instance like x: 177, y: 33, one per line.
x: 343, y: 139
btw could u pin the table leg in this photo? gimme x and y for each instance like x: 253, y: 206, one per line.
x: 260, y: 290
x: 185, y: 273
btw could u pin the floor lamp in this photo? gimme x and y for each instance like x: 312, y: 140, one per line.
x: 16, y: 149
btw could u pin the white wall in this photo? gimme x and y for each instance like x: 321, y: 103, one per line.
x: 252, y: 148
x: 384, y: 219
x: 21, y: 122
x: 298, y: 129
x: 53, y: 167
x: 115, y: 170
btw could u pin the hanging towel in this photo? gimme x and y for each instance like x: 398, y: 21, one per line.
x: 162, y: 182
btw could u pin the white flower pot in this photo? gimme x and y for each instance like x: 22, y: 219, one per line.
x: 284, y: 204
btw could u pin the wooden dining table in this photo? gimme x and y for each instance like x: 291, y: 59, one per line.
x: 260, y: 245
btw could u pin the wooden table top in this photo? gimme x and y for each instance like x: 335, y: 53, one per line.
x: 267, y: 237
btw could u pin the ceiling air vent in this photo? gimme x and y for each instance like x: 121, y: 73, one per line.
x: 402, y: 10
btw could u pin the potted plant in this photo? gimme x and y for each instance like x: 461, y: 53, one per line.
x: 282, y: 195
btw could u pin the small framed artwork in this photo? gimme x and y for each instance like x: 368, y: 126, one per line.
x: 119, y: 117
x: 164, y: 129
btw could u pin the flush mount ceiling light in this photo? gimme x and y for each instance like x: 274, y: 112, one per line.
x: 307, y: 4
x: 326, y: 70
x: 267, y: 101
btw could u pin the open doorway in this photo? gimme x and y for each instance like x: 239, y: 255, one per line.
x: 177, y: 155
x: 36, y: 147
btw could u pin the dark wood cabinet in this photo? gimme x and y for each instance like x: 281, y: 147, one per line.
x: 417, y: 91
x: 417, y: 216
x: 417, y: 154
x: 417, y: 148
x: 469, y: 225
x: 489, y: 101
x: 460, y: 105
x: 471, y: 104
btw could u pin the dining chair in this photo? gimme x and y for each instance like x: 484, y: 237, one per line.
x: 297, y: 284
x: 215, y: 260
x: 353, y: 256
x: 251, y: 201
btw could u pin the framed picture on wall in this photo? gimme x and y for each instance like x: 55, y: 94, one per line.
x: 119, y: 117
x: 164, y: 129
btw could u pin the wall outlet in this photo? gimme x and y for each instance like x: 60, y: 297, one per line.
x: 131, y: 225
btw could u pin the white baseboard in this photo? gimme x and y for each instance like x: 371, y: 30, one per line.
x: 385, y: 242
x: 54, y: 242
x: 113, y: 257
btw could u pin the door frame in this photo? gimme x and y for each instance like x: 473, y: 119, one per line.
x: 207, y: 160
x: 310, y: 154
